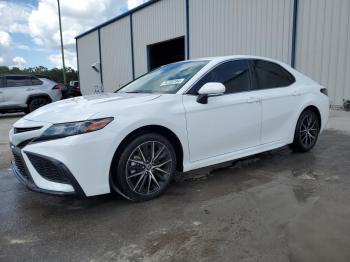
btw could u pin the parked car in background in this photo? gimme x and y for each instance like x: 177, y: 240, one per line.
x: 71, y: 90
x: 177, y: 118
x: 26, y: 92
x: 44, y: 76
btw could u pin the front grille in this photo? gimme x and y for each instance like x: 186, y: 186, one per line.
x: 17, y: 130
x: 20, y: 166
x: 48, y: 169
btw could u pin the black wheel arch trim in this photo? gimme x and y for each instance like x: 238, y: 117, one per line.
x: 43, y: 95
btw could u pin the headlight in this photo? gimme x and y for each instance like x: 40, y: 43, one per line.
x: 74, y: 128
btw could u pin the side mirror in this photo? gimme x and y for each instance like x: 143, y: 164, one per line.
x: 210, y: 89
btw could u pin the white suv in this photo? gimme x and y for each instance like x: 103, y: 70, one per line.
x: 26, y: 92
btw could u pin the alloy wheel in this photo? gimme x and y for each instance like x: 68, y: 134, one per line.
x: 309, y: 129
x: 148, y: 168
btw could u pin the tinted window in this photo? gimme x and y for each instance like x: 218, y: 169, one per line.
x: 2, y: 82
x: 271, y: 75
x: 167, y: 79
x: 36, y: 81
x: 234, y: 75
x: 13, y: 81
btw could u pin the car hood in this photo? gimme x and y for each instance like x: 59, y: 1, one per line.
x: 85, y: 107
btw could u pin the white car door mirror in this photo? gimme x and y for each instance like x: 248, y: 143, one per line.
x: 210, y: 89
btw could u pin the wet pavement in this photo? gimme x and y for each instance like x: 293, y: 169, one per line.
x: 277, y: 206
x: 6, y: 122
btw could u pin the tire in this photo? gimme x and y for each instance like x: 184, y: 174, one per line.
x: 140, y: 174
x: 306, y: 132
x: 36, y: 103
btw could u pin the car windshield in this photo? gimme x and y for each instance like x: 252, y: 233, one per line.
x: 167, y: 79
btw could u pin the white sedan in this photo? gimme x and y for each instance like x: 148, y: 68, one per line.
x: 177, y: 118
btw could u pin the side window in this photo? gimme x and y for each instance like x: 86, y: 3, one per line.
x: 36, y: 81
x: 14, y: 81
x: 2, y: 84
x: 234, y: 75
x: 271, y: 75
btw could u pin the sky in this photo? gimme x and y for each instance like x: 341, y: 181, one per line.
x: 29, y: 32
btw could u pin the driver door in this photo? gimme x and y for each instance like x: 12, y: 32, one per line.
x: 227, y: 123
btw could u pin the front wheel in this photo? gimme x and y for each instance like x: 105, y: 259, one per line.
x: 306, y: 132
x: 145, y: 167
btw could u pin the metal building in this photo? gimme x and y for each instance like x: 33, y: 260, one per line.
x: 311, y: 35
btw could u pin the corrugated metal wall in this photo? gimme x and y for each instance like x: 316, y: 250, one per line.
x: 88, y: 53
x: 159, y: 22
x: 116, y: 54
x: 323, y: 45
x: 226, y: 27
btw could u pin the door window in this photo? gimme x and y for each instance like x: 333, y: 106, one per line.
x: 271, y: 75
x: 234, y: 75
x: 2, y: 84
x: 14, y: 81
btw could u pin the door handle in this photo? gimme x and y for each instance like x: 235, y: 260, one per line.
x: 296, y: 93
x: 253, y: 100
x: 29, y: 89
x: 0, y: 92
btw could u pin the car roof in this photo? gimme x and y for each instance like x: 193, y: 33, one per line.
x: 12, y: 74
x: 232, y: 57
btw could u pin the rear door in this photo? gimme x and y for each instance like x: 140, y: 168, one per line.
x: 16, y: 90
x: 279, y: 94
x: 227, y: 123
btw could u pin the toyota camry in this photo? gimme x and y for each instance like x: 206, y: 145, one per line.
x: 179, y: 117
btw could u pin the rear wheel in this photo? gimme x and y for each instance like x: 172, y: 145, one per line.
x: 145, y: 167
x: 306, y: 132
x: 36, y: 103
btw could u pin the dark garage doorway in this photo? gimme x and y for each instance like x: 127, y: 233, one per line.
x: 166, y: 52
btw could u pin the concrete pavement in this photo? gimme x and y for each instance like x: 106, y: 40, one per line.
x: 278, y: 206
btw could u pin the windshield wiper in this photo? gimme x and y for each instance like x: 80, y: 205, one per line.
x: 138, y: 92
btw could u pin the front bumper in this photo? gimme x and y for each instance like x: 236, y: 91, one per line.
x: 88, y: 157
x: 56, y: 173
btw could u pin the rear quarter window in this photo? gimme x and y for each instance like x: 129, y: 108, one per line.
x: 271, y: 75
x: 35, y: 81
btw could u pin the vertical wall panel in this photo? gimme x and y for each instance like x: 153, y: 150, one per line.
x: 88, y: 50
x: 323, y: 45
x: 116, y: 54
x: 227, y: 27
x: 158, y: 22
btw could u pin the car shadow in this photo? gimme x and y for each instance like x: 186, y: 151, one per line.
x: 280, y: 165
x: 11, y: 115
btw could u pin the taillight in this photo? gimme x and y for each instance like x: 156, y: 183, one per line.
x: 324, y: 91
x: 56, y: 87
